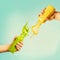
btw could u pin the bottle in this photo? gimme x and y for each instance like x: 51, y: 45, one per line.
x: 41, y: 19
x: 19, y: 38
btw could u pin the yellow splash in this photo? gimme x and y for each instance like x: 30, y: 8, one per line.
x: 42, y: 19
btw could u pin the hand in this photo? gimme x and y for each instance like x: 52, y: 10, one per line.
x: 5, y: 48
x: 18, y: 45
x: 53, y: 16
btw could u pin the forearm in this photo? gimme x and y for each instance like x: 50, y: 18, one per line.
x: 4, y: 48
x: 57, y: 16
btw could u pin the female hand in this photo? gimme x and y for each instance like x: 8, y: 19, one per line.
x: 53, y: 16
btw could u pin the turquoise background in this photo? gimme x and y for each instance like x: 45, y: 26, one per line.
x: 14, y: 14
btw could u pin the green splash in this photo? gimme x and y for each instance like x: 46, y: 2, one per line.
x: 19, y: 38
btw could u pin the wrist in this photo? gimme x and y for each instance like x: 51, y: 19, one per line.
x: 57, y: 15
x: 4, y: 48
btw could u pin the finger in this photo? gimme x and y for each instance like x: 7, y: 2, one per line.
x: 18, y: 47
x: 20, y: 44
x: 40, y: 14
x: 43, y: 11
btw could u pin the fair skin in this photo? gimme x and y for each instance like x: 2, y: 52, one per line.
x: 55, y: 15
x: 4, y: 48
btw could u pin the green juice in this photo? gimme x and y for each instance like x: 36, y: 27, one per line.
x: 19, y: 38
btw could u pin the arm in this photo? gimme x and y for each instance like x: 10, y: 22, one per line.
x: 56, y: 15
x: 4, y: 48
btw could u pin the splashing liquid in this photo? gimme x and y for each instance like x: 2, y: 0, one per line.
x: 19, y: 38
x: 41, y: 19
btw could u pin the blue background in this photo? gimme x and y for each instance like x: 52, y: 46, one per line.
x: 14, y: 14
